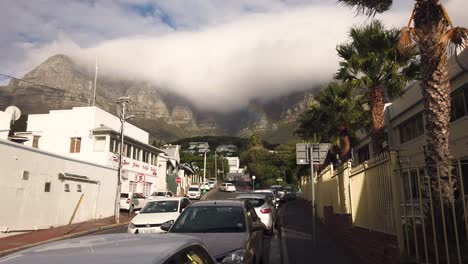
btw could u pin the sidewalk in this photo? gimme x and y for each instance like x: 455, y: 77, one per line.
x: 13, y: 243
x: 296, y: 238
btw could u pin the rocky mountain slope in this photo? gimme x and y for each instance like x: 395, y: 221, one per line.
x: 59, y: 83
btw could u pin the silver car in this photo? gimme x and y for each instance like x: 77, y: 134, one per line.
x: 116, y: 249
x: 230, y: 229
x: 264, y: 207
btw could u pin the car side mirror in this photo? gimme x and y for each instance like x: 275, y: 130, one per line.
x: 167, y: 225
x: 258, y: 227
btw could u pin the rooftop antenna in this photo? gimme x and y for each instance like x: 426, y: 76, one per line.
x: 95, y: 82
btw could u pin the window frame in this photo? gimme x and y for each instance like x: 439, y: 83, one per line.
x: 75, y: 144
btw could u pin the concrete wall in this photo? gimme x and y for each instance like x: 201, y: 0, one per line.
x: 4, y: 125
x: 26, y: 205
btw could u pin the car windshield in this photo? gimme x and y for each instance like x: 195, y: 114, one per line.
x: 210, y: 219
x: 193, y: 189
x: 158, y: 194
x: 160, y: 207
x: 255, y: 202
x: 124, y: 195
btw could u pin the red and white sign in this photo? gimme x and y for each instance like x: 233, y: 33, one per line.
x: 177, y: 180
x: 140, y: 177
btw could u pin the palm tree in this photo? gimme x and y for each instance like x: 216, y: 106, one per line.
x: 373, y: 61
x: 337, y: 113
x: 432, y: 34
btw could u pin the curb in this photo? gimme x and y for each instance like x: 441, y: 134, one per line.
x: 284, y: 250
x: 78, y: 234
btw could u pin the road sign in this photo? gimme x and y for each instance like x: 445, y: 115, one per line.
x: 177, y: 180
x: 140, y: 177
x: 302, y: 156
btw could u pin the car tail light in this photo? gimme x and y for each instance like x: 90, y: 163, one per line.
x: 128, y: 200
x: 265, y: 211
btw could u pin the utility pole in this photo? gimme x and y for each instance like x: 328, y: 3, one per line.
x: 123, y: 101
x: 204, y: 168
x: 95, y: 82
x: 216, y: 167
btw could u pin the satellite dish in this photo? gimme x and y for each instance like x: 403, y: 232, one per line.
x: 14, y: 112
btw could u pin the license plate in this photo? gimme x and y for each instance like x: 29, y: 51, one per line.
x: 146, y: 231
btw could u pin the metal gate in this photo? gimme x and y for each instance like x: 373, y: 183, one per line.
x: 434, y: 231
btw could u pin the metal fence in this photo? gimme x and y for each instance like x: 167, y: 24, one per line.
x: 387, y: 195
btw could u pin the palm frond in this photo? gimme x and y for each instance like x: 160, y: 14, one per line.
x: 368, y: 7
x: 406, y: 43
x: 455, y: 38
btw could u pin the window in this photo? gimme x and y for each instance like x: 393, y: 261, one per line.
x: 99, y: 143
x: 459, y: 105
x: 136, y: 153
x: 78, y: 188
x: 127, y: 150
x: 25, y: 175
x: 67, y: 187
x: 35, y: 143
x: 113, y: 146
x: 411, y: 128
x: 132, y: 187
x: 75, y: 145
x: 147, y: 188
x: 145, y: 156
x: 47, y: 187
x: 363, y: 154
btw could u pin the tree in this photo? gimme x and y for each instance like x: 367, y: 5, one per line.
x: 432, y: 34
x: 373, y: 62
x: 337, y: 113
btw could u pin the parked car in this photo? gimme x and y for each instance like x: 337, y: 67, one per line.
x: 271, y: 193
x: 159, y: 194
x: 194, y: 192
x: 213, y: 182
x: 231, y: 229
x: 205, y: 186
x: 157, y: 212
x: 117, y: 249
x: 227, y: 187
x: 264, y: 207
x: 280, y: 190
x: 132, y: 201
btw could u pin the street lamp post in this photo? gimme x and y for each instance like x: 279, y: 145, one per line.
x: 253, y: 182
x: 204, y: 167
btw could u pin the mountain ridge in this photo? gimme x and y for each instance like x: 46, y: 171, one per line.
x: 60, y: 83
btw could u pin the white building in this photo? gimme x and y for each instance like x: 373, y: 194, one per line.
x: 4, y: 125
x: 92, y: 134
x: 234, y: 164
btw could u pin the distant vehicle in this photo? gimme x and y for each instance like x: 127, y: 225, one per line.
x: 290, y: 195
x: 280, y: 190
x: 227, y: 187
x: 205, y: 186
x: 131, y: 202
x: 264, y: 207
x: 213, y: 182
x: 157, y: 212
x: 272, y: 193
x: 117, y: 249
x: 231, y: 229
x: 158, y: 194
x: 194, y: 192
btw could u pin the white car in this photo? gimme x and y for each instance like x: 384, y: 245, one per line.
x: 213, y: 182
x: 132, y: 201
x: 157, y: 212
x: 194, y: 192
x: 205, y: 186
x: 159, y: 194
x: 227, y: 187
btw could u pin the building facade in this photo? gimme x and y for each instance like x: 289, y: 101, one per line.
x: 91, y: 134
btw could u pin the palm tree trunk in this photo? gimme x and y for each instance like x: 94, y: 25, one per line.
x: 345, y: 144
x: 377, y: 104
x: 430, y: 26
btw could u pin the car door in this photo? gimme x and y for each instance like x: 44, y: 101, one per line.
x: 256, y: 237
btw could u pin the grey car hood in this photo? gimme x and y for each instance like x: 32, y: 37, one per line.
x: 219, y: 244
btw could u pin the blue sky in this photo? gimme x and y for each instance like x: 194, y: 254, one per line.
x: 198, y: 48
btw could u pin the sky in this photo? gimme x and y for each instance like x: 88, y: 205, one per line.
x: 219, y: 54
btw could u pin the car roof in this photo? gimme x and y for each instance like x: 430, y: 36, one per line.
x: 219, y: 203
x: 167, y: 199
x: 106, y: 249
x: 192, y: 186
x: 252, y: 195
